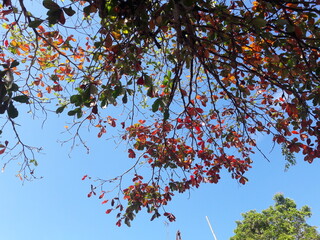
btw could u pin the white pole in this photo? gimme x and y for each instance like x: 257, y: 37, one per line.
x: 214, y: 236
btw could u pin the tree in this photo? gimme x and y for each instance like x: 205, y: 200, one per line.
x: 281, y: 221
x: 198, y: 81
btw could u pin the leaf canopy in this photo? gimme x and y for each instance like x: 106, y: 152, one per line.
x: 199, y: 81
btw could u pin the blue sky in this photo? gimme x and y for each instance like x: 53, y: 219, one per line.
x: 57, y: 207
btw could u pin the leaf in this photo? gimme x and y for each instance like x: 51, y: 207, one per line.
x: 12, y: 111
x: 51, y: 5
x: 21, y: 99
x: 84, y: 177
x: 35, y: 23
x: 79, y: 114
x: 140, y: 81
x: 72, y: 112
x: 125, y: 98
x: 108, y: 41
x: 7, y: 3
x: 54, y: 16
x: 62, y: 19
x: 60, y: 109
x: 109, y: 211
x: 259, y: 22
x: 76, y: 99
x: 69, y: 11
x: 131, y: 153
x: 34, y: 162
x: 95, y: 109
x: 2, y: 150
x: 156, y: 104
x: 14, y: 64
x: 102, y: 195
x: 14, y: 87
x: 127, y: 222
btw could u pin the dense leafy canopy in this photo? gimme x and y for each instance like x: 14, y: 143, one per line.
x: 281, y: 221
x: 195, y: 81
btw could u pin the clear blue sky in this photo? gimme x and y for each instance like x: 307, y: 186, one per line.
x: 57, y: 206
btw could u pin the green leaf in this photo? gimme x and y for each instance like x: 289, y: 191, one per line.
x: 12, y: 111
x: 35, y: 23
x: 77, y: 111
x: 21, y: 99
x: 156, y: 104
x: 51, y: 5
x: 60, y: 109
x: 14, y: 64
x: 14, y: 87
x: 33, y: 161
x: 76, y: 99
x: 125, y: 98
x: 93, y: 89
x: 72, y: 113
x: 54, y: 16
x: 79, y: 114
x: 69, y: 11
x: 259, y: 22
x: 117, y: 91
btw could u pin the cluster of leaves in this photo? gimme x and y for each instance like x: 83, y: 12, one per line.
x: 205, y: 77
x: 281, y: 221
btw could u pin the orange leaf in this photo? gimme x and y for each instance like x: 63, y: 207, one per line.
x: 84, y: 177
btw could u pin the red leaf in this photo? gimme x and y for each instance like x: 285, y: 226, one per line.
x: 84, y: 177
x: 131, y: 153
x: 140, y: 81
x: 101, y: 196
x: 57, y: 88
x: 102, y: 131
x: 112, y: 121
x: 62, y: 19
x: 108, y: 211
x: 118, y: 223
x: 104, y: 202
x: 6, y: 3
x: 2, y: 150
x: 108, y: 41
x: 95, y: 109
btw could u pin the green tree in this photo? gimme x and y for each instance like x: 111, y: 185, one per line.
x: 283, y: 221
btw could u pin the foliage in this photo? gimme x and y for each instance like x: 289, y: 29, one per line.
x: 281, y: 221
x: 198, y: 82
